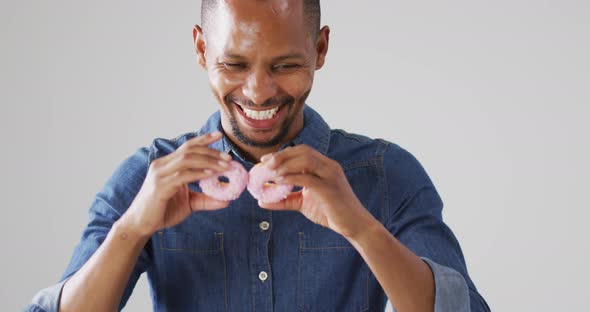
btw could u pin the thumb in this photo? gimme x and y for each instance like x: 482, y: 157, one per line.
x: 291, y: 202
x: 199, y: 201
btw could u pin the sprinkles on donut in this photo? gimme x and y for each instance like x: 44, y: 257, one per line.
x: 262, y: 186
x: 238, y: 179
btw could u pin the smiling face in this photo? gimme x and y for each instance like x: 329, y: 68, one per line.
x: 260, y: 58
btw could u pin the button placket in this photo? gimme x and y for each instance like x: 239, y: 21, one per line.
x: 260, y: 264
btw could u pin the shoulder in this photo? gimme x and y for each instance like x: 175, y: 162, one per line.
x: 124, y: 183
x: 399, y: 165
x: 347, y: 147
x: 344, y: 144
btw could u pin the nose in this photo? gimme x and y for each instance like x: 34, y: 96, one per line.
x: 259, y: 87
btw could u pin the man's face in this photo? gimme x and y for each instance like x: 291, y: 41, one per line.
x: 260, y: 58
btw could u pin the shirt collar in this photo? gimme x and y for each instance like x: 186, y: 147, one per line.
x: 315, y: 133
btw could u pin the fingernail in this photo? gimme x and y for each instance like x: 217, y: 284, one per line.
x: 223, y: 163
x: 216, y: 133
x: 266, y: 157
x: 208, y: 171
x: 225, y: 156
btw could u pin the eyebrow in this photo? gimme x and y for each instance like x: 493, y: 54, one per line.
x: 288, y: 56
x: 276, y: 59
x: 233, y: 56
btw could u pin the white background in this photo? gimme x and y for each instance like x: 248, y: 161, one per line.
x: 491, y: 96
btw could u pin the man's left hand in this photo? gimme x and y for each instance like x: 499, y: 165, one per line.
x: 326, y: 197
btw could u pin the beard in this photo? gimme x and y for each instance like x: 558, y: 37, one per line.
x: 286, y: 102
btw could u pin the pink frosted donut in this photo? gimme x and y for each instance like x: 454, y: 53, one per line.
x: 238, y: 179
x: 261, y: 189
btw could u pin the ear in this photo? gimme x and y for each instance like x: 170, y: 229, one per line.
x: 322, y: 46
x: 200, y: 47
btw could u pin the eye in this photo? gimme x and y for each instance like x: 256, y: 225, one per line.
x: 285, y: 67
x: 233, y: 66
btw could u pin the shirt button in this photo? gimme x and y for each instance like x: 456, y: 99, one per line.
x: 263, y: 276
x: 264, y: 225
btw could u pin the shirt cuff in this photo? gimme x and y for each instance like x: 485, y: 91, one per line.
x: 47, y: 300
x: 451, y: 291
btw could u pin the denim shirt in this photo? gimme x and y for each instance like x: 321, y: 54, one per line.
x: 245, y: 258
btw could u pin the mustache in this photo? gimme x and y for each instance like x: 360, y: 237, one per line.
x: 271, y: 102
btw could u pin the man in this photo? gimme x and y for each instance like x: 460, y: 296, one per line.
x: 366, y: 225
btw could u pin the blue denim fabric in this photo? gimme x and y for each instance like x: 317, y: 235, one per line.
x: 212, y: 260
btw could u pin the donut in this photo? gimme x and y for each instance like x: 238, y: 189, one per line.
x: 238, y: 179
x: 260, y: 187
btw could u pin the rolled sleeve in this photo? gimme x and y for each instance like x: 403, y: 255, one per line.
x: 451, y: 291
x: 416, y: 221
x: 47, y: 299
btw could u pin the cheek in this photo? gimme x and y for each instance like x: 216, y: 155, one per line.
x: 297, y: 85
x: 223, y: 84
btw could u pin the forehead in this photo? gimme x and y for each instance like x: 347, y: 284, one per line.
x: 277, y: 7
x: 258, y: 26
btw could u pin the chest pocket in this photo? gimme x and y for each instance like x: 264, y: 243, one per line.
x: 193, y: 269
x: 332, y: 276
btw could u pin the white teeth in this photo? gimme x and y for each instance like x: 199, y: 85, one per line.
x: 261, y: 115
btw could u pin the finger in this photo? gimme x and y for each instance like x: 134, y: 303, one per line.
x: 195, y: 145
x: 203, y: 140
x: 275, y: 159
x: 201, y: 202
x: 291, y: 202
x: 194, y: 161
x: 169, y: 185
x: 203, y: 150
x: 301, y: 179
x: 188, y: 175
x: 303, y: 163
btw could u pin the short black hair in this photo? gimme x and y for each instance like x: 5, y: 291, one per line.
x: 311, y: 13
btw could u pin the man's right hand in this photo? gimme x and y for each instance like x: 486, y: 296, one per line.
x: 164, y: 199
